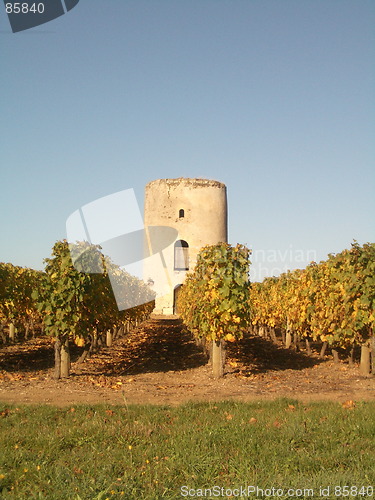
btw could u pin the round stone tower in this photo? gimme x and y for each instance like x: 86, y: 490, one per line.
x: 197, y: 211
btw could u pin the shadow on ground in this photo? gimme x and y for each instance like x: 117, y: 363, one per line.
x: 27, y: 356
x: 155, y: 346
x: 259, y: 355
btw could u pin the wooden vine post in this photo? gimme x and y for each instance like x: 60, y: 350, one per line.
x: 11, y: 332
x: 365, y: 362
x: 65, y: 359
x: 109, y: 338
x: 217, y: 358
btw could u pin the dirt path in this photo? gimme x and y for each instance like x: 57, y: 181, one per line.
x: 159, y: 363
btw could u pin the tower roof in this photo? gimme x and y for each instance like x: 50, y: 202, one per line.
x: 196, y: 182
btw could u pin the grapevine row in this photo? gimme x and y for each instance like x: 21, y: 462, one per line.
x: 69, y: 304
x: 18, y: 311
x: 332, y: 301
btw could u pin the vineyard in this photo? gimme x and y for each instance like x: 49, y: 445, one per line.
x: 332, y: 302
x: 67, y: 304
x: 329, y: 304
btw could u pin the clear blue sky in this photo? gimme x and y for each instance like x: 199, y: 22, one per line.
x: 273, y: 98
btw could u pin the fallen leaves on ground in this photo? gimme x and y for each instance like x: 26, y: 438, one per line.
x: 159, y: 359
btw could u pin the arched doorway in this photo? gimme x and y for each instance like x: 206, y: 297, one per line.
x: 176, y: 292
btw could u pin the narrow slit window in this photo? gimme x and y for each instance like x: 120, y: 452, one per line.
x: 181, y: 213
x: 181, y: 256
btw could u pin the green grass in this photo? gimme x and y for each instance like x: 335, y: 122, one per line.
x: 150, y: 452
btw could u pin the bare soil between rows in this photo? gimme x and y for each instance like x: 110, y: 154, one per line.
x: 159, y: 363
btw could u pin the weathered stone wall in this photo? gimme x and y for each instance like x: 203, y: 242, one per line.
x: 204, y: 203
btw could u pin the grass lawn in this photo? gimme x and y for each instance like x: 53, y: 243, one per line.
x: 159, y: 452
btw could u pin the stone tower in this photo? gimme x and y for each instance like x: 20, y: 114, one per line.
x: 197, y: 211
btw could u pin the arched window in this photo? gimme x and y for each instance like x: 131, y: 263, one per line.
x: 181, y: 213
x: 181, y: 256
